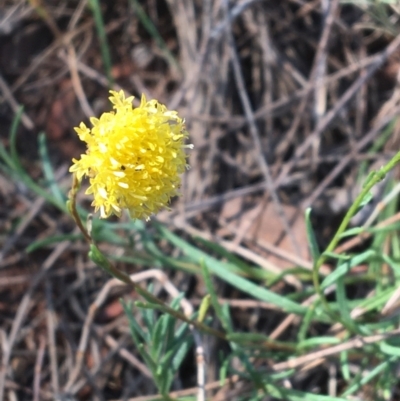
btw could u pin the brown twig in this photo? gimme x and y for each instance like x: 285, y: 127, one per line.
x: 358, y: 342
x: 346, y: 97
x: 254, y: 131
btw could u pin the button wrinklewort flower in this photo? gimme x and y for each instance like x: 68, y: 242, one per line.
x: 134, y: 157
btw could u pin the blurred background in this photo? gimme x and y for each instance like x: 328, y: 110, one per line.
x: 288, y: 103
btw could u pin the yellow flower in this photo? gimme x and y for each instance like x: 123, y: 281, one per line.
x: 134, y: 157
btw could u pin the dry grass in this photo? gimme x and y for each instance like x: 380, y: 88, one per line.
x: 283, y: 100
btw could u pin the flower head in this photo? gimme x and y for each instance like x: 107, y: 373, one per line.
x: 134, y: 157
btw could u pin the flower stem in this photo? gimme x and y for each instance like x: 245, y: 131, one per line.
x: 106, y: 265
x: 71, y: 204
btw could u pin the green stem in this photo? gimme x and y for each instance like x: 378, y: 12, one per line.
x: 372, y: 180
x: 149, y: 297
x: 71, y: 204
x: 106, y: 265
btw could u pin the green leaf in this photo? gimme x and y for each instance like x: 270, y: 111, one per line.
x: 152, y: 365
x: 222, y: 270
x: 317, y: 341
x: 337, y: 256
x: 345, y: 267
x: 204, y: 306
x: 242, y: 268
x: 171, y: 361
x: 181, y: 353
x: 376, y: 302
x: 367, y: 198
x: 5, y: 156
x: 370, y: 376
x: 343, y: 305
x: 352, y: 232
x: 285, y: 394
x: 52, y: 240
x: 15, y: 169
x: 164, y: 329
x: 312, y: 241
x: 344, y: 365
x: 158, y: 338
x: 13, y: 141
x: 48, y: 170
x: 214, y: 298
x: 302, y: 334
x: 148, y: 313
x: 99, y: 259
x: 389, y: 349
x: 370, y: 176
x: 137, y: 332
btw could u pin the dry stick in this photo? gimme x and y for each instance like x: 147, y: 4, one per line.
x: 349, y: 158
x: 64, y: 40
x: 210, y: 39
x: 171, y: 289
x: 93, y: 74
x: 340, y: 249
x: 200, y: 364
x: 378, y: 124
x: 381, y: 206
x: 265, y: 44
x: 124, y: 353
x: 276, y: 107
x: 77, y: 15
x: 7, y: 93
x: 38, y: 368
x: 283, y: 254
x: 187, y: 392
x: 51, y: 330
x: 235, y: 12
x: 292, y: 317
x: 391, y: 305
x: 33, y: 209
x: 197, y: 66
x: 23, y: 310
x: 204, y: 204
x: 265, y: 245
x: 361, y: 110
x: 248, y: 254
x: 347, y: 96
x: 60, y: 42
x: 329, y: 9
x: 319, y: 59
x: 358, y: 342
x: 115, y: 348
x: 101, y: 298
x: 39, y: 59
x: 357, y: 240
x: 107, y: 266
x: 75, y: 79
x: 269, y: 185
x: 191, y: 87
x: 244, y: 252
